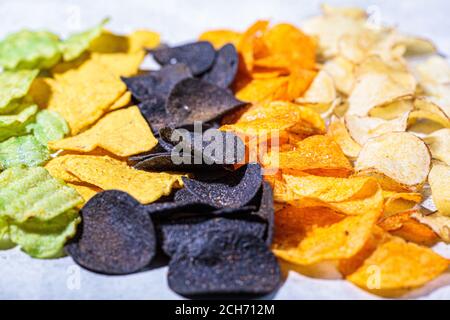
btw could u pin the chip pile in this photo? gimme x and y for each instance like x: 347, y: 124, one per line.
x: 334, y: 149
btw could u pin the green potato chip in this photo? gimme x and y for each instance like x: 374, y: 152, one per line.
x: 5, y: 241
x: 32, y: 193
x: 24, y: 150
x: 16, y: 124
x: 77, y: 43
x: 45, y: 239
x: 14, y: 85
x: 29, y: 50
x: 49, y: 126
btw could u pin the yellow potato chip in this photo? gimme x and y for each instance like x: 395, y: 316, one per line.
x: 316, y: 154
x: 108, y: 173
x: 120, y: 64
x: 85, y: 191
x: 400, y: 156
x: 338, y: 131
x: 143, y: 39
x: 439, y: 144
x: 56, y: 169
x: 395, y: 202
x: 397, y: 264
x: 439, y: 180
x: 436, y: 221
x: 343, y: 73
x: 219, y: 38
x: 81, y: 95
x: 123, y: 133
x: 123, y: 101
x: 340, y: 240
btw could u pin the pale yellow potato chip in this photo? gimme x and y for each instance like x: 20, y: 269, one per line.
x: 123, y: 133
x: 397, y: 264
x: 361, y: 129
x: 343, y: 73
x: 351, y: 12
x: 439, y: 144
x: 110, y: 174
x: 425, y: 108
x: 436, y: 221
x: 321, y: 90
x: 392, y: 110
x: 435, y: 69
x: 338, y: 131
x: 400, y: 156
x: 439, y: 180
x: 379, y: 84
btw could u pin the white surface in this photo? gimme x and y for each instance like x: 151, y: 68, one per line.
x: 179, y: 21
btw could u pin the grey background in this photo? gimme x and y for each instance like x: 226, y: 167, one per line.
x: 178, y: 21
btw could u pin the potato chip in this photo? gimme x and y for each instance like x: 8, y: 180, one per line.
x: 56, y: 169
x: 120, y: 64
x: 143, y: 39
x: 343, y: 73
x: 46, y: 239
x: 434, y: 70
x: 16, y: 124
x: 340, y: 240
x: 49, y: 126
x: 260, y: 90
x: 121, y: 102
x: 77, y: 43
x: 392, y: 110
x: 404, y: 226
x: 29, y: 50
x: 424, y: 108
x: 85, y: 191
x: 107, y: 173
x: 361, y: 129
x: 377, y: 84
x: 338, y: 131
x: 246, y: 45
x: 395, y: 202
x: 219, y: 38
x: 14, y: 85
x: 123, y: 133
x: 31, y: 193
x: 397, y: 264
x: 23, y: 150
x: 320, y: 91
x: 315, y: 154
x: 436, y: 221
x: 81, y: 95
x: 439, y: 144
x: 439, y: 180
x: 400, y: 156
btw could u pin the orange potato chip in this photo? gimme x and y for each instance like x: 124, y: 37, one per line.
x: 395, y: 202
x: 110, y: 174
x: 339, y: 133
x: 260, y: 90
x: 315, y: 152
x: 289, y: 48
x: 219, y: 38
x: 340, y: 240
x: 397, y: 264
x: 123, y: 133
x: 246, y: 44
x: 56, y: 169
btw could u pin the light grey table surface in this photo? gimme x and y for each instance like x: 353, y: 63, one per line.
x: 22, y: 277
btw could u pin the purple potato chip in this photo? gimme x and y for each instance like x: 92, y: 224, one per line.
x: 116, y: 235
x: 225, y: 67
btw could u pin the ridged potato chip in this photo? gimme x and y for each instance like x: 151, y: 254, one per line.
x: 31, y: 193
x: 15, y: 85
x: 107, y: 174
x: 49, y: 126
x: 400, y: 156
x: 17, y: 123
x: 396, y: 265
x: 29, y: 50
x: 23, y: 150
x: 123, y: 133
x: 439, y: 180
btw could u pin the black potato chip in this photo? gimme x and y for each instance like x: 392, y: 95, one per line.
x: 159, y: 82
x: 266, y: 211
x: 225, y: 67
x: 224, y: 263
x: 154, y: 111
x: 196, y: 100
x: 235, y: 190
x: 198, y: 56
x: 177, y: 232
x: 116, y: 235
